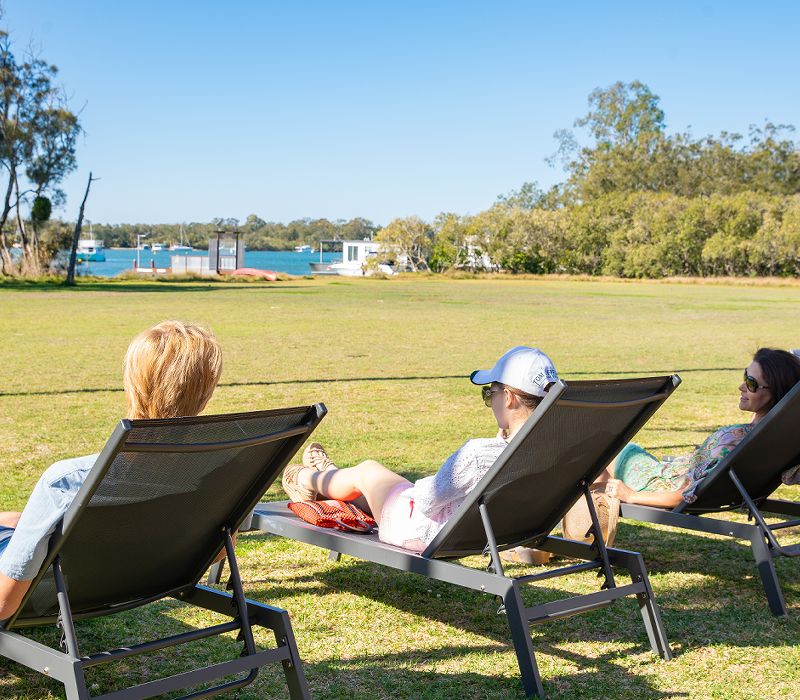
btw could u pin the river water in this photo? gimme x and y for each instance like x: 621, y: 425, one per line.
x: 121, y: 259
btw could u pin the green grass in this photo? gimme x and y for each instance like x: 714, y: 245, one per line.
x: 390, y: 359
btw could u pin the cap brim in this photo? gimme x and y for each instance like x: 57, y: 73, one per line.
x: 481, y: 376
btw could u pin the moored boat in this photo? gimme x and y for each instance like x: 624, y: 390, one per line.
x: 90, y: 250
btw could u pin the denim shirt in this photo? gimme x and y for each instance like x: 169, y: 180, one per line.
x: 50, y: 499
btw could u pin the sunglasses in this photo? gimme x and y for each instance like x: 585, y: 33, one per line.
x: 486, y: 394
x: 752, y: 383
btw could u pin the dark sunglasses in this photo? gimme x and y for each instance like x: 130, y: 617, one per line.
x: 486, y: 394
x: 752, y: 383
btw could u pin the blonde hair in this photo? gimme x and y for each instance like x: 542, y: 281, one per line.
x: 171, y: 370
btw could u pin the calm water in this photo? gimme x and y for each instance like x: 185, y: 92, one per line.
x: 120, y: 259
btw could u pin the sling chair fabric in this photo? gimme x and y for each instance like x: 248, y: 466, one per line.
x: 160, y: 502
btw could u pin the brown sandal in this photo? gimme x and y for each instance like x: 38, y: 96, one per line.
x: 293, y: 488
x: 315, y: 457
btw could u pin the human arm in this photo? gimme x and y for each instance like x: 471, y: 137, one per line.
x: 11, y: 594
x: 663, y: 499
x: 9, y: 518
x: 457, y: 476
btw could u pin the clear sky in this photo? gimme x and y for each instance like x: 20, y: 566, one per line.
x: 195, y: 109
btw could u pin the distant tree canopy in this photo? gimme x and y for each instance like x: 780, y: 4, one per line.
x: 258, y: 234
x: 629, y: 151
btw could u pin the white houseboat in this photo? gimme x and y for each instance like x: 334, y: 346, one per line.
x: 355, y: 256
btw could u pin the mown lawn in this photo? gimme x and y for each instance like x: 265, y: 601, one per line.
x: 390, y: 359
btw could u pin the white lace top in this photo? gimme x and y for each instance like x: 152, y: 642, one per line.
x: 437, y: 497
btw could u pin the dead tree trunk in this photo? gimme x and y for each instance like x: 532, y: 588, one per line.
x: 76, y: 236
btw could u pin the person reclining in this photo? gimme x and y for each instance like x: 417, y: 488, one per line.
x: 410, y: 514
x: 636, y: 476
x: 170, y: 370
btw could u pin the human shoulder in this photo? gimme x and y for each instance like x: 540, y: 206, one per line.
x: 65, y: 469
x: 481, y: 449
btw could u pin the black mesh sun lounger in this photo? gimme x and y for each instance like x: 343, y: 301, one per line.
x: 160, y: 502
x: 744, y: 481
x: 549, y: 465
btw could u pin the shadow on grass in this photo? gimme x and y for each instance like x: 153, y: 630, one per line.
x: 142, y: 624
x: 368, y: 676
x: 469, y: 610
x: 323, y: 380
x: 727, y: 580
x: 389, y: 676
x: 98, y: 285
x: 723, y: 602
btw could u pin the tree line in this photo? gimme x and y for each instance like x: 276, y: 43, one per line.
x: 635, y: 201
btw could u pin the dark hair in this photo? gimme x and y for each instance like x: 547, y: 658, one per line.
x: 781, y: 371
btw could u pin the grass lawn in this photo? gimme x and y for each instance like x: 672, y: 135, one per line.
x: 390, y: 359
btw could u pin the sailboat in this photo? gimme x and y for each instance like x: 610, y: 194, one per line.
x: 181, y: 246
x: 90, y: 249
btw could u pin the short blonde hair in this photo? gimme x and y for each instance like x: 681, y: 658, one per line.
x: 171, y: 370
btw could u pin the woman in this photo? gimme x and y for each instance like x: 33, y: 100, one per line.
x: 636, y: 476
x: 170, y: 370
x: 411, y: 514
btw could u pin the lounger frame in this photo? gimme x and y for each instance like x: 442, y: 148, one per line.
x: 481, y: 526
x: 142, y: 442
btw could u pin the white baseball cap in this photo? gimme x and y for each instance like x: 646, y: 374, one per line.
x: 523, y: 368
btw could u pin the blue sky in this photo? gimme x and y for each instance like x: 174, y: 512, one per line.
x: 196, y: 109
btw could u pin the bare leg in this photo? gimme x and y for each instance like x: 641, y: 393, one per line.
x: 369, y: 479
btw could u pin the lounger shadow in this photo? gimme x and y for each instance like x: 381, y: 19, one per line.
x: 744, y: 481
x: 160, y: 502
x: 549, y: 465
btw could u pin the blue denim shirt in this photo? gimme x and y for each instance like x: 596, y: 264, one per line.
x: 50, y: 499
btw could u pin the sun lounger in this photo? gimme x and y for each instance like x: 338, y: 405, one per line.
x: 550, y: 463
x: 744, y: 481
x: 160, y: 502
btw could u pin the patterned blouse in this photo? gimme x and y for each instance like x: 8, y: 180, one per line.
x: 643, y: 471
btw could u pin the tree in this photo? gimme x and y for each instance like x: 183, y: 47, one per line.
x: 37, y: 139
x: 408, y: 240
x: 77, y: 235
x: 626, y: 126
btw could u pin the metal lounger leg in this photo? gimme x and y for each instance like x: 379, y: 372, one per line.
x: 523, y: 646
x: 769, y: 577
x: 293, y: 667
x: 651, y: 615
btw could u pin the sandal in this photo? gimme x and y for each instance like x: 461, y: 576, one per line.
x: 526, y: 555
x: 315, y: 457
x: 292, y: 487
